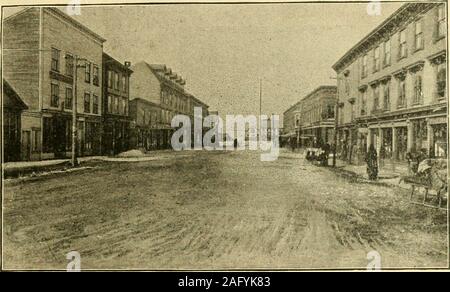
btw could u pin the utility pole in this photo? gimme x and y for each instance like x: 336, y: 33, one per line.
x: 74, y: 112
x: 336, y: 119
x: 260, y: 96
x: 74, y: 160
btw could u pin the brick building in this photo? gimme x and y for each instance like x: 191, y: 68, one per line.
x: 311, y: 120
x: 148, y: 131
x: 392, y: 86
x: 159, y: 85
x: 40, y: 45
x: 116, y: 96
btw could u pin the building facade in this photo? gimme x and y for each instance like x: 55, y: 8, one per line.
x: 392, y: 87
x: 310, y: 121
x: 291, y: 125
x: 159, y: 85
x: 316, y: 125
x: 11, y: 117
x: 116, y: 97
x: 148, y: 131
x: 41, y: 46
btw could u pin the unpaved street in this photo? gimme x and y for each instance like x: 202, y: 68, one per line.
x: 218, y: 210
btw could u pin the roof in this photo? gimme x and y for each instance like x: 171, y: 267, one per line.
x: 375, y: 32
x: 66, y: 17
x: 138, y: 99
x: 320, y: 88
x: 161, y: 70
x: 11, y: 99
x: 108, y: 59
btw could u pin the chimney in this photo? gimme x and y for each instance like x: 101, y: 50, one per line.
x: 127, y: 64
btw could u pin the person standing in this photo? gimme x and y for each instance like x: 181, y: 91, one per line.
x: 372, y: 163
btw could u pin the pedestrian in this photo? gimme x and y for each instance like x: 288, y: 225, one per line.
x: 372, y: 163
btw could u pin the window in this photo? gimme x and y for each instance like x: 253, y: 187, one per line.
x: 386, y: 96
x: 55, y: 60
x: 363, y: 103
x: 376, y: 59
x: 95, y: 72
x: 441, y: 29
x: 387, y: 52
x: 69, y: 98
x: 402, y: 93
x: 36, y: 137
x: 69, y: 65
x: 117, y: 81
x: 87, y: 72
x: 89, y: 136
x: 376, y: 97
x: 364, y: 66
x: 110, y: 79
x: 110, y: 104
x: 441, y: 81
x: 124, y: 83
x: 418, y: 93
x: 402, y: 46
x: 124, y: 106
x: 418, y: 40
x: 54, y: 101
x: 95, y: 104
x: 116, y: 105
x: 87, y: 102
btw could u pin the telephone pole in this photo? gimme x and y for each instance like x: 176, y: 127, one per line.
x: 74, y: 159
x: 74, y: 113
x: 260, y: 96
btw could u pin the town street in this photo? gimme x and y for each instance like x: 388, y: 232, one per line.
x: 203, y: 210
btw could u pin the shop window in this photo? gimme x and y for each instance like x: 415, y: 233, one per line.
x: 47, y: 143
x: 440, y: 140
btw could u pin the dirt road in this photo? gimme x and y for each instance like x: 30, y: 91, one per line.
x: 216, y: 210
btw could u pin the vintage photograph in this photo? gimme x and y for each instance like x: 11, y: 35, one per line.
x: 224, y: 136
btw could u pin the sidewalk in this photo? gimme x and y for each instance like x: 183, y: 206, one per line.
x: 19, y: 168
x: 390, y: 173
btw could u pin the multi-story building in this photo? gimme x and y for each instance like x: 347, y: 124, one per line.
x: 40, y: 49
x: 116, y: 93
x: 291, y: 124
x: 148, y: 129
x: 311, y: 120
x: 158, y: 84
x: 317, y: 116
x: 392, y: 86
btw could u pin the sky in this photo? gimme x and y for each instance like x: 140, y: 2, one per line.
x: 223, y: 50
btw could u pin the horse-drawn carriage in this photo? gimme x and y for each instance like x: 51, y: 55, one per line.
x: 430, y: 175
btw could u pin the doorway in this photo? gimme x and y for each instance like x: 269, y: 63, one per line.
x: 26, y: 145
